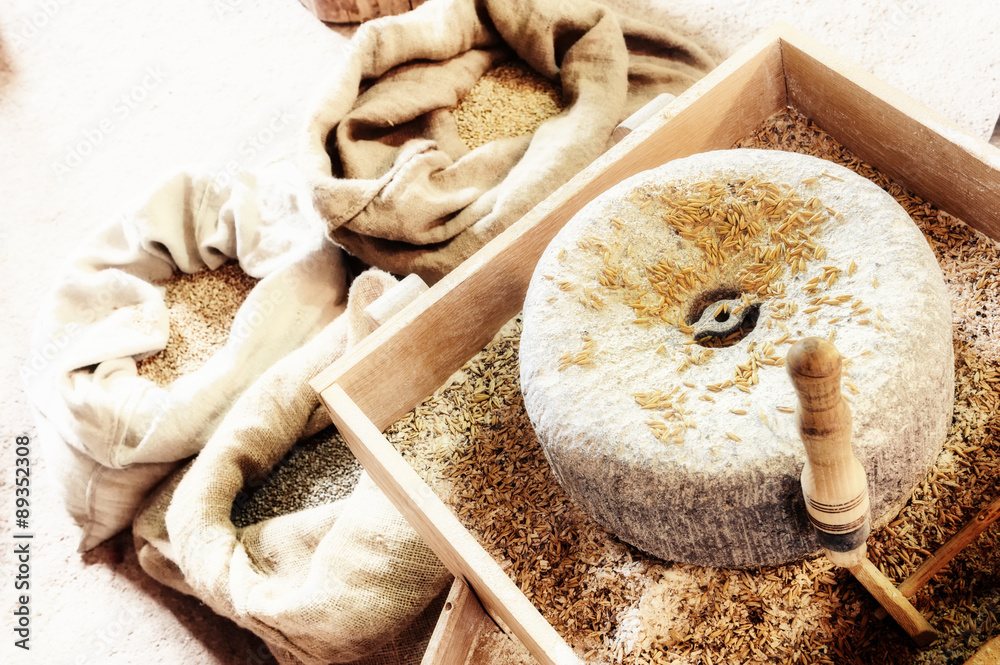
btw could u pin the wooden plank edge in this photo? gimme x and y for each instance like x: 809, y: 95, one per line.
x: 988, y: 654
x: 443, y: 533
x: 759, y: 62
x: 462, y: 620
x: 889, y: 597
x: 484, y: 292
x: 648, y: 110
x: 944, y: 554
x: 928, y: 153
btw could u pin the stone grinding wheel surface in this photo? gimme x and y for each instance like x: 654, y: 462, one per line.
x: 709, y: 475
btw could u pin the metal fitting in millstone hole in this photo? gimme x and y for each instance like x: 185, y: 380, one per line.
x: 720, y: 319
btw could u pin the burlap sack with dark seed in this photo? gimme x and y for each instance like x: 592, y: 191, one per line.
x: 388, y: 171
x: 341, y: 582
x: 110, y: 434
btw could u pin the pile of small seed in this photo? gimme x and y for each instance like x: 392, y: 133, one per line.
x: 473, y: 443
x: 507, y: 101
x: 201, y: 307
x: 316, y: 471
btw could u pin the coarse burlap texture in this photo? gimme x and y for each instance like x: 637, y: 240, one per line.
x: 388, y: 172
x: 110, y: 435
x: 334, y: 583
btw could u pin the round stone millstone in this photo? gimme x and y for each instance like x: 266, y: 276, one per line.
x: 655, y: 330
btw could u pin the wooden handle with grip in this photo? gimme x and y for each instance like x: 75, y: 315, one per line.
x: 833, y: 481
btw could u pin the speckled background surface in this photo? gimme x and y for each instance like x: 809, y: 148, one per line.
x: 99, y: 102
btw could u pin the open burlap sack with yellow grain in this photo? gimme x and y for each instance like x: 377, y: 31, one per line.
x: 342, y: 582
x: 111, y: 434
x: 382, y: 154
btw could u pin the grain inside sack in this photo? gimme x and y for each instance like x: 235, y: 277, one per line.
x: 507, y: 101
x: 316, y: 471
x: 164, y: 317
x: 409, y: 185
x: 275, y: 526
x: 201, y: 308
x: 474, y: 445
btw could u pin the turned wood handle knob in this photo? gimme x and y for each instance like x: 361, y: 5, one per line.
x: 833, y: 481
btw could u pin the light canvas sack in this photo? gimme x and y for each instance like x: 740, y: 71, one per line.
x: 348, y: 581
x: 110, y: 435
x: 387, y: 169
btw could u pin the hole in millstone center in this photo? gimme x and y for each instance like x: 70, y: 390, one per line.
x: 707, y: 298
x: 718, y: 317
x: 736, y: 328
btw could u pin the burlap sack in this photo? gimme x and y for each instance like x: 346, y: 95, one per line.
x: 388, y: 172
x: 335, y: 583
x: 111, y: 435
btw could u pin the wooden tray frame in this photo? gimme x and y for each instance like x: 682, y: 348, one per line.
x: 415, y: 352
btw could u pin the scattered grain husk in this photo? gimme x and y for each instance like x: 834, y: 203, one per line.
x: 507, y: 101
x: 201, y: 307
x: 474, y: 445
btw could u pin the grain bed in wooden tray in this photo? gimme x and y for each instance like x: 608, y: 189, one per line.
x: 201, y: 307
x: 472, y: 442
